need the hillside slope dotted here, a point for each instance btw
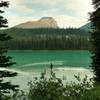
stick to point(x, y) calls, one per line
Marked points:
point(44, 22)
point(86, 27)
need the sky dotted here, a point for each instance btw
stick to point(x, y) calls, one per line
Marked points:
point(67, 13)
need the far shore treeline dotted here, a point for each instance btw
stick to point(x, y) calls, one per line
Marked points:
point(47, 39)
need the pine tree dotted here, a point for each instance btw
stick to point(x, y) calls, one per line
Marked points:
point(95, 38)
point(5, 61)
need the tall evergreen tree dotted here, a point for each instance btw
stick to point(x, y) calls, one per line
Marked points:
point(95, 20)
point(5, 61)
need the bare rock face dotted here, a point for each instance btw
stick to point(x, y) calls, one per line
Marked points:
point(44, 22)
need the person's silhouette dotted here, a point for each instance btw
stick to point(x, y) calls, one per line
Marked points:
point(51, 68)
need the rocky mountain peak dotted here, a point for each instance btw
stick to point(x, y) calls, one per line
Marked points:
point(47, 18)
point(44, 22)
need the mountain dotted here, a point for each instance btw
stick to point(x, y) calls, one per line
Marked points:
point(31, 36)
point(86, 27)
point(44, 22)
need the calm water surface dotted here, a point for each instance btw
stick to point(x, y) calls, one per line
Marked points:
point(30, 64)
point(28, 60)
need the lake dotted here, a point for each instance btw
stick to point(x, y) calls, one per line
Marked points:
point(32, 60)
point(30, 64)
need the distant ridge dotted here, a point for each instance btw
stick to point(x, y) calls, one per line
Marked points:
point(86, 27)
point(44, 22)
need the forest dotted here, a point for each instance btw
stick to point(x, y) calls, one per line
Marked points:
point(47, 39)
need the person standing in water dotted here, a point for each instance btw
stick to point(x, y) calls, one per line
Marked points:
point(51, 68)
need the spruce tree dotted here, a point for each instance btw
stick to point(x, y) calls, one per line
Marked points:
point(95, 38)
point(5, 61)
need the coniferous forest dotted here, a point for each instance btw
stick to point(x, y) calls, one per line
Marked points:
point(47, 39)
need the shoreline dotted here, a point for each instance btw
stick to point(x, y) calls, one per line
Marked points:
point(68, 73)
point(48, 50)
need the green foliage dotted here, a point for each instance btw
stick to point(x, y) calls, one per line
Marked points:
point(5, 61)
point(95, 38)
point(49, 43)
point(97, 89)
point(54, 88)
point(45, 31)
point(96, 3)
point(48, 39)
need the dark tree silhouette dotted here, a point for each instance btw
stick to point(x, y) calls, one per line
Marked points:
point(5, 61)
point(95, 38)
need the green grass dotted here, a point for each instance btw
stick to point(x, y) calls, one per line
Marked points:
point(97, 89)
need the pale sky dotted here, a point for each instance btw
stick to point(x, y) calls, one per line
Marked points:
point(67, 13)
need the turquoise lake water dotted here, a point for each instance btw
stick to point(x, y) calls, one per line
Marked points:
point(28, 60)
point(30, 64)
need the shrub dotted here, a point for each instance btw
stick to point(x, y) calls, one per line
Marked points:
point(53, 88)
